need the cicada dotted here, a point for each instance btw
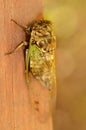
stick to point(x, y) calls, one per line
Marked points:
point(40, 46)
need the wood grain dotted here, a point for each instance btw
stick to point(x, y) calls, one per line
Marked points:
point(21, 108)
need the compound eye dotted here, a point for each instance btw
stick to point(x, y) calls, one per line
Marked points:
point(41, 44)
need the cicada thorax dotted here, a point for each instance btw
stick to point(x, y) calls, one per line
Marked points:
point(42, 56)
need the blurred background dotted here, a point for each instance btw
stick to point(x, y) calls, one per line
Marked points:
point(69, 18)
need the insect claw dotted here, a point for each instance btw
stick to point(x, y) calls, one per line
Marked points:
point(8, 53)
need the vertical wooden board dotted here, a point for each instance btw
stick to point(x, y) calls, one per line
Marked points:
point(16, 111)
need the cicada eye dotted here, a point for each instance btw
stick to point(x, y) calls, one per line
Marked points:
point(41, 44)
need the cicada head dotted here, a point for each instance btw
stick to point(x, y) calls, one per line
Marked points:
point(42, 35)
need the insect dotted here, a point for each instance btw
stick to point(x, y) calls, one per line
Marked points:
point(40, 45)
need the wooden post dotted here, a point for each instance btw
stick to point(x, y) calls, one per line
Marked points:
point(21, 108)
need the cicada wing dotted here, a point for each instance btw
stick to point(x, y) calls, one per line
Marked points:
point(42, 66)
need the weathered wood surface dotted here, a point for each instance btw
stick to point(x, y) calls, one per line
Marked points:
point(19, 109)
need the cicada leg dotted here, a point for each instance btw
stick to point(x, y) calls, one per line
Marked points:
point(27, 65)
point(23, 27)
point(23, 43)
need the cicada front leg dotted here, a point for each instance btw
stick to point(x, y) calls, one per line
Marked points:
point(23, 43)
point(23, 27)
